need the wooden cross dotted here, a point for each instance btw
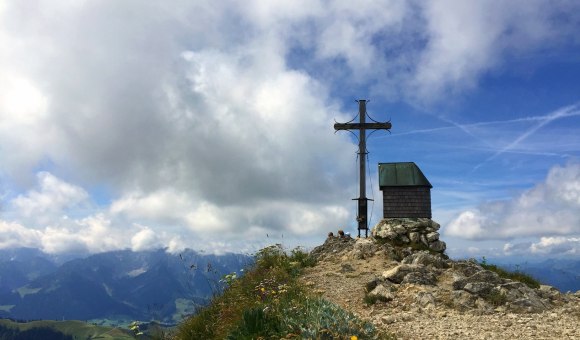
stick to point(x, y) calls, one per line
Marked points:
point(362, 126)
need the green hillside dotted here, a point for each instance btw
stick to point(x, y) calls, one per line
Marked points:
point(59, 330)
point(268, 302)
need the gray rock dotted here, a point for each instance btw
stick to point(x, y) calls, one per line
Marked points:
point(478, 288)
point(404, 239)
point(458, 282)
point(398, 273)
point(382, 292)
point(414, 237)
point(422, 277)
point(388, 235)
point(332, 246)
point(425, 299)
point(346, 268)
point(466, 268)
point(431, 237)
point(424, 240)
point(426, 259)
point(438, 246)
point(364, 248)
point(372, 284)
point(399, 229)
point(434, 225)
point(485, 276)
point(462, 300)
point(548, 292)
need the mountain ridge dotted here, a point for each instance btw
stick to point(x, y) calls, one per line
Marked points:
point(120, 285)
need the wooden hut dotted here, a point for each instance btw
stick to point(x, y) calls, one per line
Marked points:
point(406, 190)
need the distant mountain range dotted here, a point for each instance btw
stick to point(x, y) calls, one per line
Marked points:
point(122, 286)
point(562, 274)
point(113, 286)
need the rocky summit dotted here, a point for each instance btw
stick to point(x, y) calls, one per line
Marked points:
point(401, 280)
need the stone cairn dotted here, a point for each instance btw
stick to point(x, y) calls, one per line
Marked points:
point(419, 233)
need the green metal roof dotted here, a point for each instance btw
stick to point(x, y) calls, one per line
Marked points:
point(401, 174)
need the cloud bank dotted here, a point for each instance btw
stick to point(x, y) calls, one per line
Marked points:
point(549, 210)
point(139, 124)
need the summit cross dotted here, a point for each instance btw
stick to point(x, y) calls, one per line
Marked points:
point(362, 126)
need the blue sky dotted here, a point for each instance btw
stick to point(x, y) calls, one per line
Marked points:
point(208, 124)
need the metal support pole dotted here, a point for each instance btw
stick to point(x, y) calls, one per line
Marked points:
point(362, 150)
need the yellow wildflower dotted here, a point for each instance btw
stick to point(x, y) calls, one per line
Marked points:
point(354, 337)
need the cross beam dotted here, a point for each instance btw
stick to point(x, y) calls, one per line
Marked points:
point(362, 126)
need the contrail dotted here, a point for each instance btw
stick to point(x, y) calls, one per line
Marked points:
point(567, 111)
point(493, 122)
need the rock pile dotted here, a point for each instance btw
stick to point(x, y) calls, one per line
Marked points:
point(405, 284)
point(415, 232)
point(461, 285)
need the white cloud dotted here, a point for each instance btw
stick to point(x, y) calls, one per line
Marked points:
point(53, 198)
point(13, 234)
point(553, 246)
point(468, 38)
point(144, 240)
point(213, 118)
point(549, 209)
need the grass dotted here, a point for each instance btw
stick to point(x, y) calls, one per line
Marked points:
point(515, 275)
point(268, 302)
point(76, 329)
point(496, 298)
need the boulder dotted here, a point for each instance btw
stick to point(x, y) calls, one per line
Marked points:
point(431, 237)
point(478, 288)
point(364, 248)
point(382, 292)
point(421, 277)
point(426, 259)
point(414, 237)
point(397, 274)
point(438, 246)
point(466, 268)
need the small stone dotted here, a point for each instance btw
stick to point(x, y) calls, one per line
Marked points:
point(431, 237)
point(414, 237)
point(438, 246)
point(383, 293)
point(389, 319)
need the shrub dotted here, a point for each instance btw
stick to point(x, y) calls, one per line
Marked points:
point(496, 298)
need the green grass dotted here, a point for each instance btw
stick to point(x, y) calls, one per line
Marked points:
point(496, 298)
point(76, 329)
point(515, 275)
point(268, 302)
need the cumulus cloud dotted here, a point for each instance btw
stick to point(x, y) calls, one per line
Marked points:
point(53, 196)
point(550, 209)
point(558, 245)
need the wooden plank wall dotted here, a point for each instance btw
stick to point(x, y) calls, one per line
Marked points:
point(406, 202)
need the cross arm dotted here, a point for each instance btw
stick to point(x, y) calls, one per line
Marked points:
point(358, 126)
